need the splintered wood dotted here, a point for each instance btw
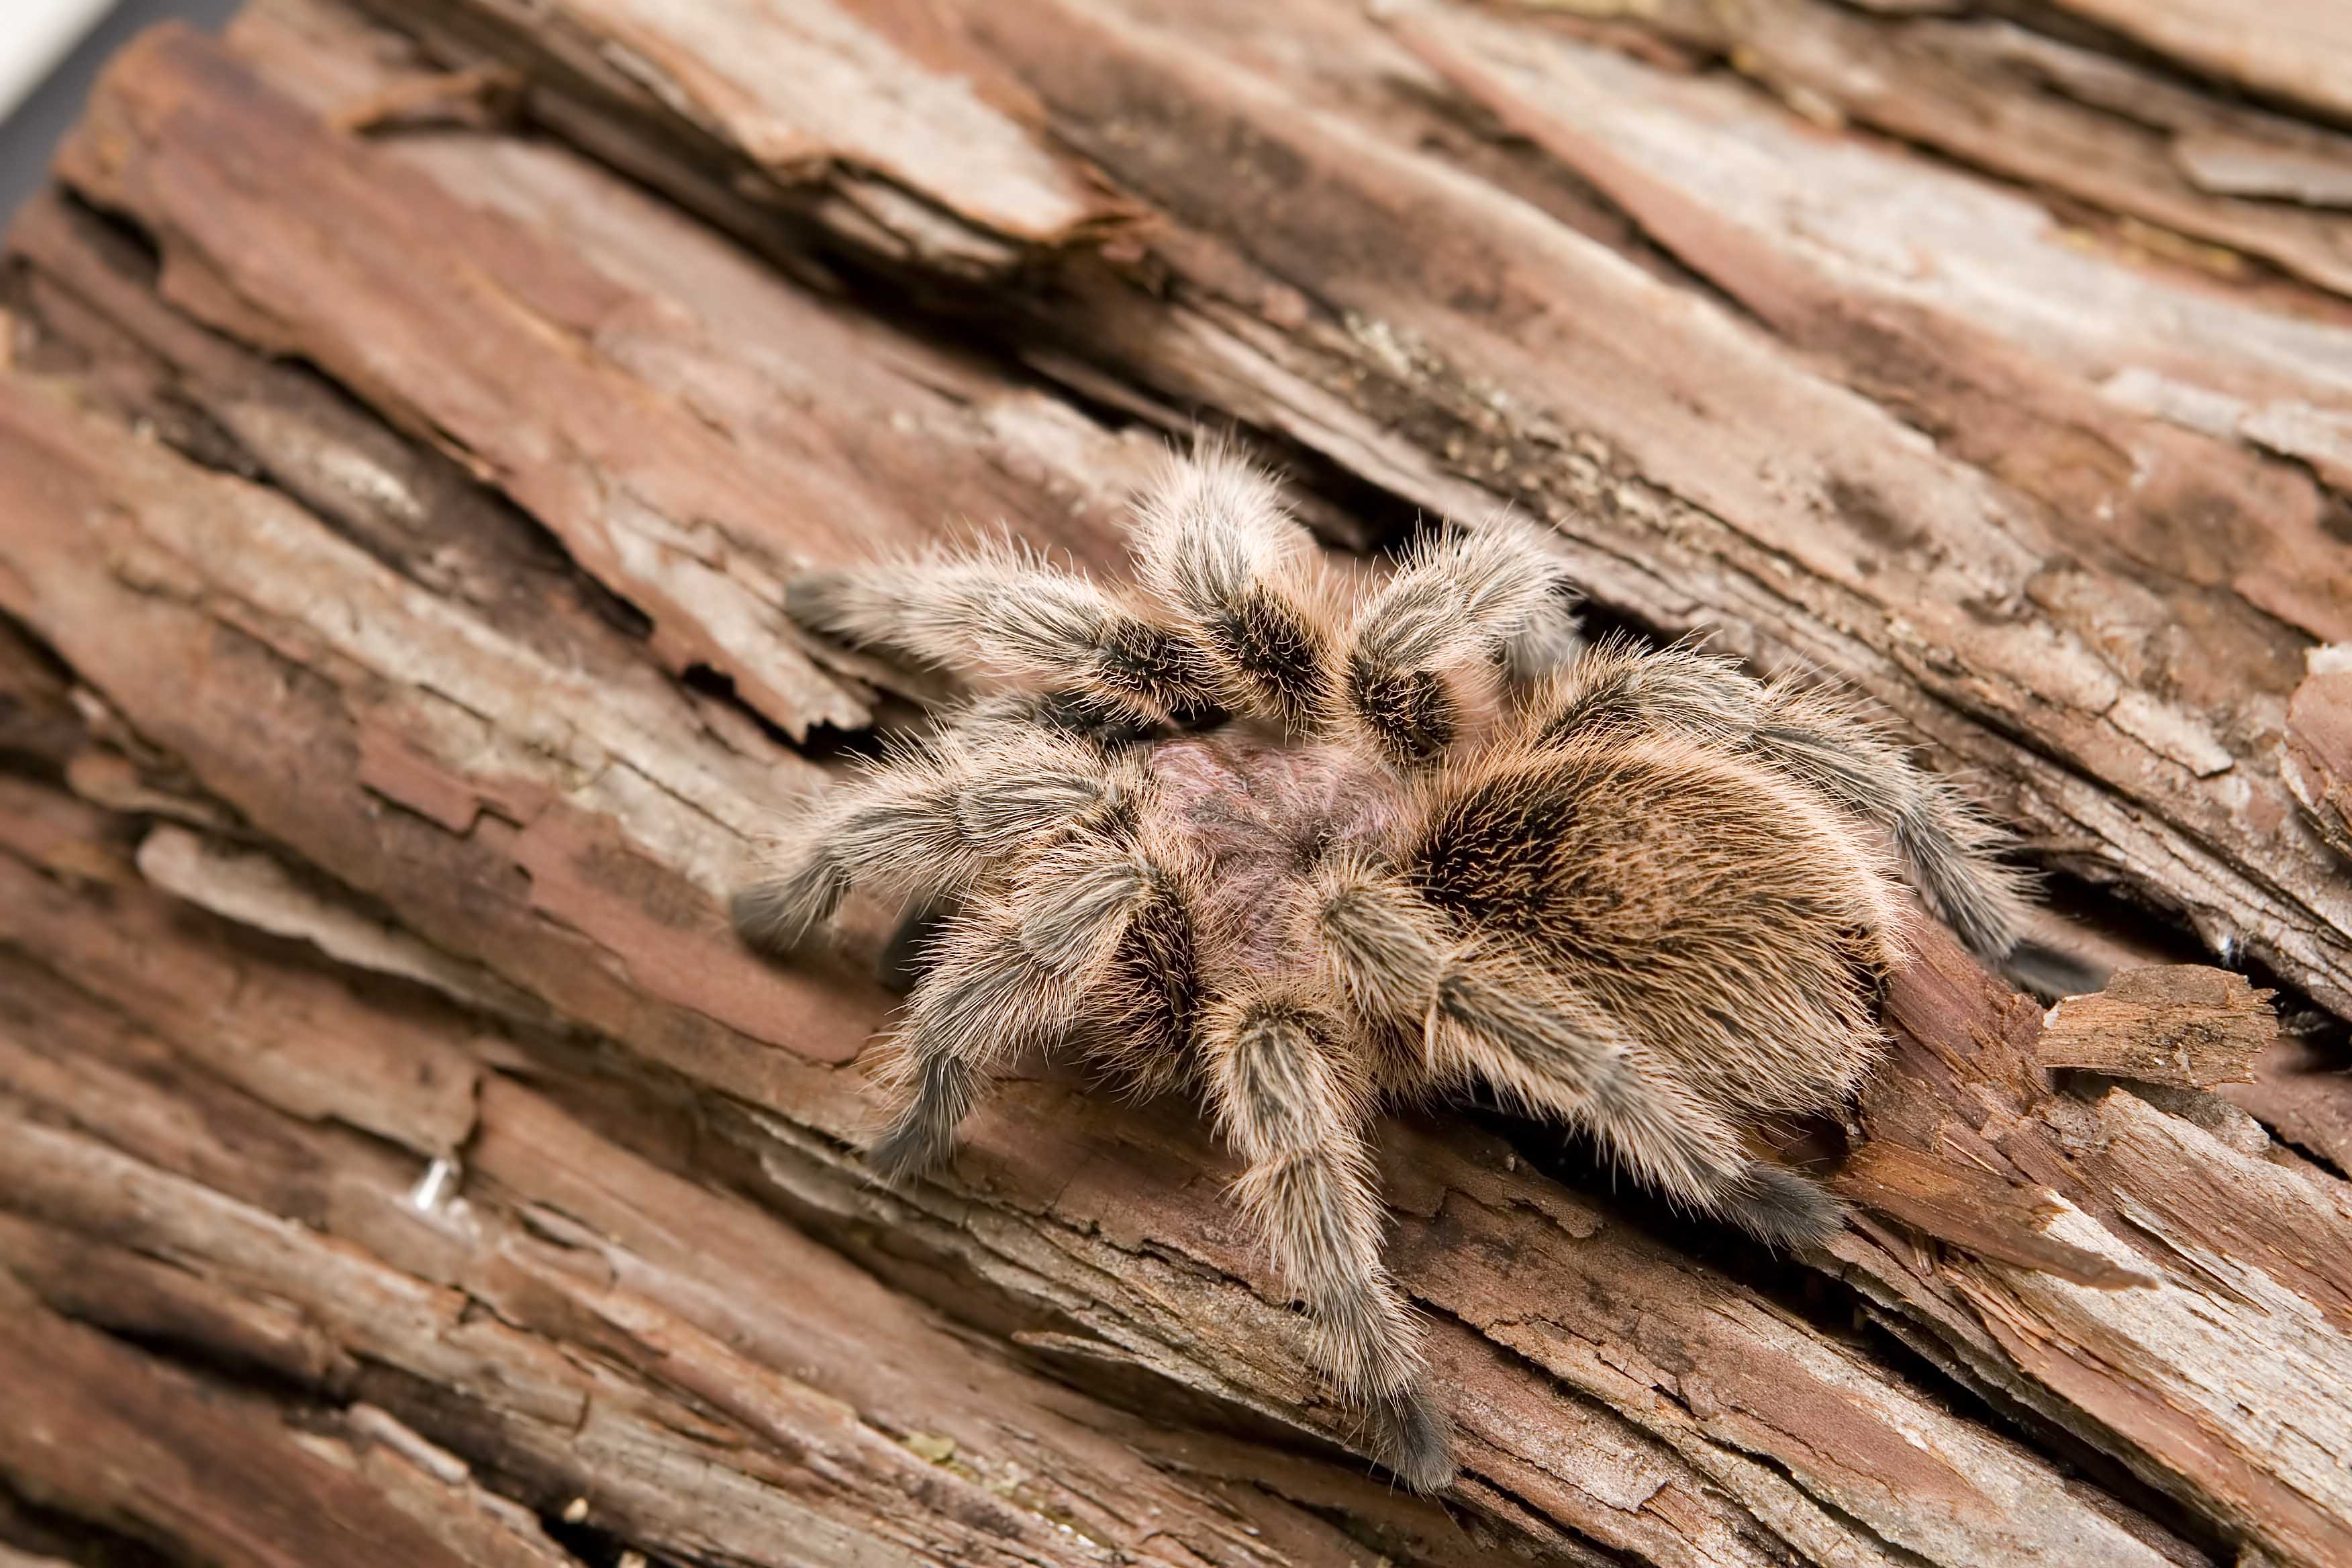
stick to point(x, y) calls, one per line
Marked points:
point(411, 414)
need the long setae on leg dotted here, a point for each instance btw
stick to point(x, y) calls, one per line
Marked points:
point(932, 819)
point(1287, 1098)
point(1019, 972)
point(1232, 570)
point(998, 615)
point(1472, 611)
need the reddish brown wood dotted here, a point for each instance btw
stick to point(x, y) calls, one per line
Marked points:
point(395, 501)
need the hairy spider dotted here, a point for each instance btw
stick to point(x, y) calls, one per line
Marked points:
point(1306, 850)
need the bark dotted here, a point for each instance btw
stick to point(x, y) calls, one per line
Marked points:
point(2094, 586)
point(2184, 1025)
point(399, 471)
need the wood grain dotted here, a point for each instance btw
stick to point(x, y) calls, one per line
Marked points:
point(394, 507)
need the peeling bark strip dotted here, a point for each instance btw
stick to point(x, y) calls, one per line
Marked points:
point(2301, 53)
point(896, 135)
point(2184, 1025)
point(689, 551)
point(220, 1466)
point(2194, 175)
point(383, 1100)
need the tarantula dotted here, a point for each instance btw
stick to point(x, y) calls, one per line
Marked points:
point(1305, 850)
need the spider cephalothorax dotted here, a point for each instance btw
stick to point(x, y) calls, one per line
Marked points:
point(1306, 850)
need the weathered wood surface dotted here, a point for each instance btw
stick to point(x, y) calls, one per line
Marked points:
point(2093, 586)
point(395, 524)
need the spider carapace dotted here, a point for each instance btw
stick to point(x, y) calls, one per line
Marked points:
point(1306, 849)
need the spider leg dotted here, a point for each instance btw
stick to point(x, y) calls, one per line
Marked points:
point(1950, 851)
point(1535, 1039)
point(986, 997)
point(1002, 720)
point(1016, 973)
point(932, 819)
point(1285, 1099)
point(1552, 637)
point(1215, 547)
point(905, 954)
point(1472, 610)
point(1001, 613)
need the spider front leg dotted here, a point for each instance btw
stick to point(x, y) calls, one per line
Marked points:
point(999, 614)
point(1472, 611)
point(1214, 545)
point(933, 819)
point(1019, 972)
point(1950, 853)
point(1534, 1038)
point(987, 997)
point(1288, 1100)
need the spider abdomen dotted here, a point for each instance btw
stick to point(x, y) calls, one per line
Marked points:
point(1722, 911)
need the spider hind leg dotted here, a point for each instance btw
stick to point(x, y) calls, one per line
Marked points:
point(1540, 1043)
point(1287, 1098)
point(1782, 1208)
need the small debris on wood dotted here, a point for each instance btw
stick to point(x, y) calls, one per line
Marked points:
point(479, 95)
point(927, 1446)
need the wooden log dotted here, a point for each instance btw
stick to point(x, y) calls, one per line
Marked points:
point(385, 1095)
point(1641, 1471)
point(2300, 1090)
point(188, 1466)
point(2319, 744)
